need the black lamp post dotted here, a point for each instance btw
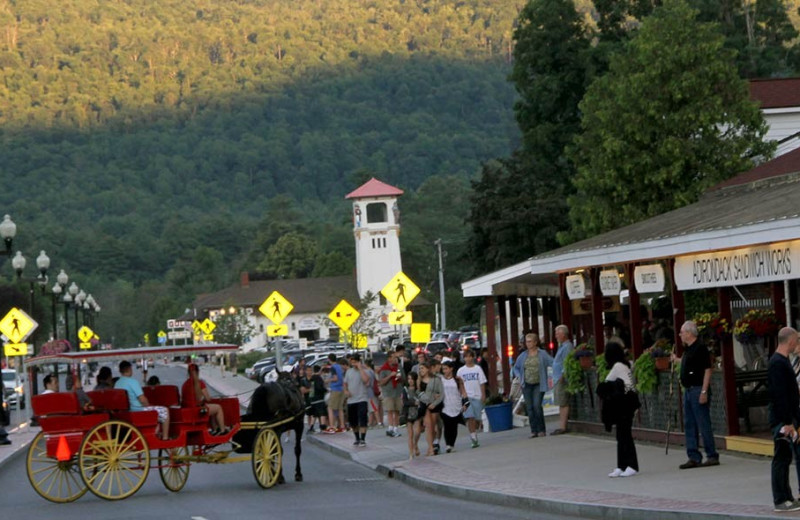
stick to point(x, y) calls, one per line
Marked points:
point(58, 288)
point(8, 230)
point(42, 264)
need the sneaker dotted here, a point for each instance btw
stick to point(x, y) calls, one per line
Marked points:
point(629, 472)
point(616, 473)
point(340, 430)
point(356, 443)
point(5, 442)
point(787, 506)
point(329, 430)
point(448, 449)
point(389, 433)
point(395, 434)
point(362, 444)
point(712, 461)
point(435, 449)
point(689, 464)
point(475, 443)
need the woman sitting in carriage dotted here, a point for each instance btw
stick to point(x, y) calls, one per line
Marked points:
point(194, 393)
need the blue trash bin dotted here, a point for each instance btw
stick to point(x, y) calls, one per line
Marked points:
point(499, 416)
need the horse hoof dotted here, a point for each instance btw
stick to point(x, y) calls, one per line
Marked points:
point(298, 478)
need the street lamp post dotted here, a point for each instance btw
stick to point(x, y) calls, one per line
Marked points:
point(8, 230)
point(79, 299)
point(42, 264)
point(58, 288)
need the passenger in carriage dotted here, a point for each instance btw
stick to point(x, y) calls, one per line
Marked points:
point(50, 384)
point(104, 379)
point(137, 400)
point(194, 393)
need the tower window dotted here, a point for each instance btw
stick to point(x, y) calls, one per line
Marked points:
point(376, 213)
point(384, 242)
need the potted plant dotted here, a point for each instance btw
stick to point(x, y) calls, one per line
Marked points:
point(757, 323)
point(576, 381)
point(661, 352)
point(498, 412)
point(584, 353)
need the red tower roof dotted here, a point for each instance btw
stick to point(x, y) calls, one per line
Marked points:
point(374, 188)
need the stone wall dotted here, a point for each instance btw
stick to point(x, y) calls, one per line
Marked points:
point(655, 411)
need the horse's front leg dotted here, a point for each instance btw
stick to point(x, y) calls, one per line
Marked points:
point(298, 435)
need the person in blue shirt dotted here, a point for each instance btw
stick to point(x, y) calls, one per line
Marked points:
point(336, 399)
point(531, 371)
point(560, 395)
point(137, 400)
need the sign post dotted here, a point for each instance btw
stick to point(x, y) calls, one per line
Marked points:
point(276, 308)
point(400, 291)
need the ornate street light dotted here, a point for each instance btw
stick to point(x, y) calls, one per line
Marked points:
point(8, 230)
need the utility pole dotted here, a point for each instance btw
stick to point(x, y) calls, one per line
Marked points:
point(438, 244)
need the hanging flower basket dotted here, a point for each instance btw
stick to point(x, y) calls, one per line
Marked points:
point(712, 327)
point(660, 352)
point(662, 364)
point(756, 324)
point(584, 353)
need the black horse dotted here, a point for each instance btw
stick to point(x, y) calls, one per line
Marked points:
point(273, 402)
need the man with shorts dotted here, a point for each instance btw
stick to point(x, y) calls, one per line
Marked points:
point(560, 394)
point(475, 386)
point(336, 400)
point(137, 400)
point(355, 389)
point(316, 397)
point(390, 380)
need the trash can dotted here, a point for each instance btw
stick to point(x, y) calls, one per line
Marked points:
point(499, 416)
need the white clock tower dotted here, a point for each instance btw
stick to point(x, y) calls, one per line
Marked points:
point(376, 227)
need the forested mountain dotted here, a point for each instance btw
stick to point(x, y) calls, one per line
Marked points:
point(143, 143)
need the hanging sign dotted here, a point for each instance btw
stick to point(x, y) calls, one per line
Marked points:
point(609, 283)
point(576, 286)
point(649, 278)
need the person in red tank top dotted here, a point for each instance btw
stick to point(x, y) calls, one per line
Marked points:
point(194, 393)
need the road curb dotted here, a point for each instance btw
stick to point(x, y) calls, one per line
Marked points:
point(557, 507)
point(19, 449)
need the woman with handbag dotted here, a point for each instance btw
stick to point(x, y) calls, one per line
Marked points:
point(431, 394)
point(619, 398)
point(413, 415)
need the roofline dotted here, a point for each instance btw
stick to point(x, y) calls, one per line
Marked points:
point(482, 286)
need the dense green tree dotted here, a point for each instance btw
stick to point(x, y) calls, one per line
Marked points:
point(645, 150)
point(292, 256)
point(520, 203)
point(233, 328)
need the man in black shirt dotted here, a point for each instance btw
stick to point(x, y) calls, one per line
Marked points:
point(696, 379)
point(784, 417)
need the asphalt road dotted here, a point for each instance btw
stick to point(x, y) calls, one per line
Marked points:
point(333, 488)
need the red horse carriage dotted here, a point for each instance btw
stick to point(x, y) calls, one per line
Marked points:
point(107, 449)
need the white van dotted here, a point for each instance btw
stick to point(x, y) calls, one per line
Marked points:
point(13, 389)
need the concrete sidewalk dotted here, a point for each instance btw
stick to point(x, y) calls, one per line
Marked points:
point(567, 475)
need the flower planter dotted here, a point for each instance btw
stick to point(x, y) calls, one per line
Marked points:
point(499, 416)
point(662, 364)
point(586, 362)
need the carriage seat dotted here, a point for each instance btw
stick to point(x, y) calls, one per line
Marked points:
point(116, 401)
point(60, 412)
point(162, 395)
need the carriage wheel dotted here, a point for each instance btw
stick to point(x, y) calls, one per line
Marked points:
point(173, 467)
point(114, 460)
point(267, 458)
point(54, 480)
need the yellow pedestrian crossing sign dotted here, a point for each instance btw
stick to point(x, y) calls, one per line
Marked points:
point(277, 330)
point(208, 326)
point(400, 318)
point(85, 334)
point(276, 307)
point(420, 332)
point(17, 325)
point(197, 327)
point(400, 291)
point(15, 349)
point(344, 315)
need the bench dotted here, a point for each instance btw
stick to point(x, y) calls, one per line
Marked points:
point(115, 402)
point(757, 395)
point(60, 415)
point(162, 395)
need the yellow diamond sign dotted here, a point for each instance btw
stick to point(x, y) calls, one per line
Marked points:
point(400, 291)
point(85, 334)
point(344, 315)
point(208, 326)
point(17, 325)
point(400, 318)
point(276, 307)
point(277, 330)
point(420, 332)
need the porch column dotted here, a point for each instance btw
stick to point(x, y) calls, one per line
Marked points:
point(779, 302)
point(546, 321)
point(526, 313)
point(491, 344)
point(597, 311)
point(635, 314)
point(514, 303)
point(565, 302)
point(501, 301)
point(728, 368)
point(678, 308)
point(534, 326)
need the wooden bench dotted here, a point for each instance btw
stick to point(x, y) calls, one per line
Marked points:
point(757, 395)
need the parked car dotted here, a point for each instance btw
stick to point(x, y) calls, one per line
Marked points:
point(13, 388)
point(435, 347)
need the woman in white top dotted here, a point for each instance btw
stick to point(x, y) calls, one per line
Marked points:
point(627, 462)
point(454, 396)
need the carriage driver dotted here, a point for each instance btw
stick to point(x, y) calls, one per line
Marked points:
point(137, 400)
point(195, 393)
